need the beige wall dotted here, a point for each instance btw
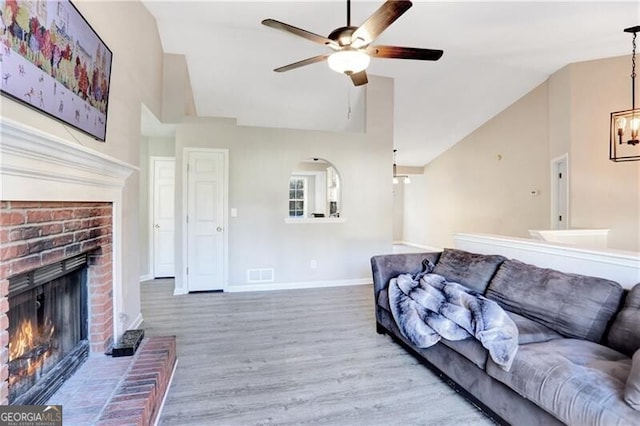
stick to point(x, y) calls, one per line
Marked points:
point(177, 92)
point(468, 189)
point(603, 194)
point(260, 161)
point(560, 112)
point(136, 78)
point(143, 218)
point(398, 212)
point(483, 183)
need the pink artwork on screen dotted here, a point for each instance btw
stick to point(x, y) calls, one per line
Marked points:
point(47, 46)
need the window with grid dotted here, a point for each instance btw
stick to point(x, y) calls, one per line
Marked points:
point(297, 196)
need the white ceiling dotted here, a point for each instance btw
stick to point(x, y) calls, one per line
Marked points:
point(494, 53)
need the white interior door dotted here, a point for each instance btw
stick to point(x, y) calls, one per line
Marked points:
point(205, 220)
point(164, 217)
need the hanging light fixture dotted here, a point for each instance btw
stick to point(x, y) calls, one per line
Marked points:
point(625, 125)
point(396, 177)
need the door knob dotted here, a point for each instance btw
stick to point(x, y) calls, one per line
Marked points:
point(157, 226)
point(219, 229)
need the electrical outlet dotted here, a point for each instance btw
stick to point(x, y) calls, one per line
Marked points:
point(313, 264)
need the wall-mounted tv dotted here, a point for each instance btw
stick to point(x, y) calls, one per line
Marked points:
point(53, 61)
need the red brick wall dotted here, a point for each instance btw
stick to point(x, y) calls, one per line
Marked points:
point(138, 397)
point(34, 234)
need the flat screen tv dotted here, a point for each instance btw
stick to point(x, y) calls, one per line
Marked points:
point(53, 61)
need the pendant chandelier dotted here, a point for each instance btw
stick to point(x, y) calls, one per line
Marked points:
point(397, 177)
point(626, 124)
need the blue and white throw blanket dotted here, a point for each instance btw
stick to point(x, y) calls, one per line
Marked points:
point(427, 307)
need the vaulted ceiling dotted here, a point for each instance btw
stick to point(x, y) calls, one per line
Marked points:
point(494, 53)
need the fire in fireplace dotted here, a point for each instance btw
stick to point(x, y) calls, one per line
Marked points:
point(47, 329)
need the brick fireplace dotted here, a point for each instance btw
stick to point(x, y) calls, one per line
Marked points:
point(60, 199)
point(36, 234)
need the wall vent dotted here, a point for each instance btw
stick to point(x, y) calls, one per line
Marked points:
point(260, 275)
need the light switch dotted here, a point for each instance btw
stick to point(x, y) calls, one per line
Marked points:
point(234, 212)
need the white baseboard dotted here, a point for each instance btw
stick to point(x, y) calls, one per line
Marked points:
point(297, 285)
point(166, 392)
point(137, 322)
point(147, 277)
point(179, 291)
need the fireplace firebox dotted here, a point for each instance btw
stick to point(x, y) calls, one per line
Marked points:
point(48, 337)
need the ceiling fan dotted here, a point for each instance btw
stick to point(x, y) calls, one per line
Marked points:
point(352, 50)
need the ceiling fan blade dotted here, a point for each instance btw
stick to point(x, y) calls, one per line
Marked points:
point(398, 52)
point(302, 63)
point(378, 22)
point(272, 23)
point(359, 78)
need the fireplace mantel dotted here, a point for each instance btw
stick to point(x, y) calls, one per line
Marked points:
point(29, 156)
point(39, 167)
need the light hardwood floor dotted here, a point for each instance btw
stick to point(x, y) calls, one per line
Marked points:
point(292, 358)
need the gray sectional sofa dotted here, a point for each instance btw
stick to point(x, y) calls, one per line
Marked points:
point(577, 337)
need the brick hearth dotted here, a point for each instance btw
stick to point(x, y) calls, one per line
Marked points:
point(120, 391)
point(35, 234)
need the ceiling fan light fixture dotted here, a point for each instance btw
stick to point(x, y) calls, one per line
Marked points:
point(351, 45)
point(349, 61)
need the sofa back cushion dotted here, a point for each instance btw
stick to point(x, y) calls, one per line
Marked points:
point(472, 270)
point(624, 334)
point(573, 305)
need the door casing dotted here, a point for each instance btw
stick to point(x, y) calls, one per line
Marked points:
point(185, 210)
point(557, 191)
point(152, 218)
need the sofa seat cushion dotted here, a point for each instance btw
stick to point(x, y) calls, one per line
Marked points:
point(579, 382)
point(472, 270)
point(574, 305)
point(624, 334)
point(632, 388)
point(530, 331)
point(470, 348)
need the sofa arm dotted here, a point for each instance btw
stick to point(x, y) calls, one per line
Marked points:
point(385, 267)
